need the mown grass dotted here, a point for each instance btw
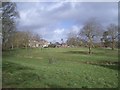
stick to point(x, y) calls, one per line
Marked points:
point(59, 68)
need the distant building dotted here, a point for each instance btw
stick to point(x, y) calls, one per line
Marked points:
point(64, 45)
point(33, 43)
point(41, 43)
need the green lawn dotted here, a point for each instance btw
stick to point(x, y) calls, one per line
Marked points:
point(60, 68)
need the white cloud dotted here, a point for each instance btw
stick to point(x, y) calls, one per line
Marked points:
point(57, 34)
point(59, 31)
point(75, 29)
point(44, 18)
point(55, 6)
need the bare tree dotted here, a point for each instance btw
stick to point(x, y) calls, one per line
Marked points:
point(105, 40)
point(17, 39)
point(73, 39)
point(23, 38)
point(26, 37)
point(113, 33)
point(91, 29)
point(9, 14)
point(36, 37)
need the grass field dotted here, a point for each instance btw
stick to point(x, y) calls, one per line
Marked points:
point(60, 68)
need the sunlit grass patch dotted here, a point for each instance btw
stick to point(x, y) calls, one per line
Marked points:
point(55, 68)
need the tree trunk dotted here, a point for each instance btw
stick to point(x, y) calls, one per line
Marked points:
point(113, 44)
point(26, 46)
point(90, 44)
point(3, 46)
point(89, 50)
point(17, 45)
point(12, 45)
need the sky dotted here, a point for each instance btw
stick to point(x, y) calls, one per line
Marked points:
point(54, 20)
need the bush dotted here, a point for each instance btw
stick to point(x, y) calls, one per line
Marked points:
point(52, 45)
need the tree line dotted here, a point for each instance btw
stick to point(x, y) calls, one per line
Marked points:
point(11, 37)
point(92, 29)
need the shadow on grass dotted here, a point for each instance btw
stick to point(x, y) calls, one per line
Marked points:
point(114, 67)
point(14, 52)
point(76, 52)
point(9, 53)
point(18, 76)
point(87, 53)
point(15, 75)
point(54, 86)
point(12, 67)
point(106, 64)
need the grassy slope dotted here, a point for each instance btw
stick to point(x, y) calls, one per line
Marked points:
point(31, 68)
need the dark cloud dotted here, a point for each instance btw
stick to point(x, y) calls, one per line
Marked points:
point(48, 18)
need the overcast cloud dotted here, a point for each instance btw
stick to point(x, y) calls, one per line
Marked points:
point(54, 20)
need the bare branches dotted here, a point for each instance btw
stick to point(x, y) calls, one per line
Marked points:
point(91, 29)
point(113, 33)
point(9, 13)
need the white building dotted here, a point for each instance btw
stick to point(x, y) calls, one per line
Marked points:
point(41, 43)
